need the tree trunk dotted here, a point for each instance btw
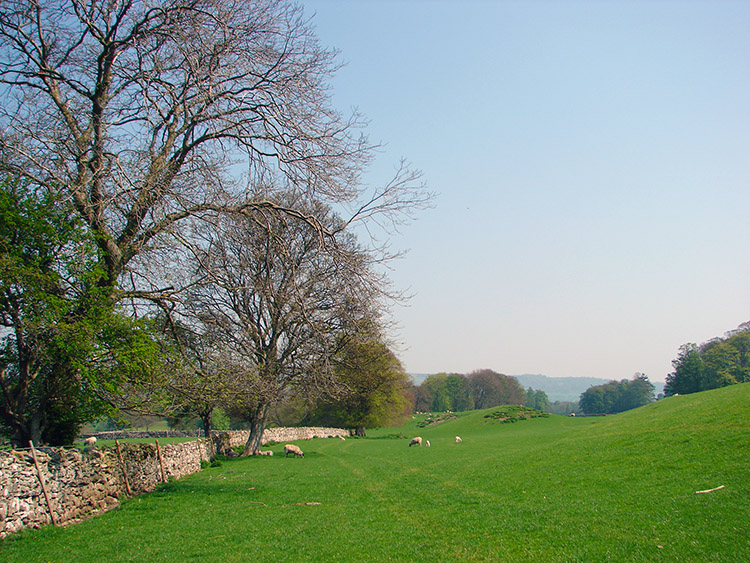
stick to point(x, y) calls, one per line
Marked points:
point(257, 425)
point(206, 419)
point(36, 428)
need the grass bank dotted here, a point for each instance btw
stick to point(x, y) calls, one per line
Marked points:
point(619, 488)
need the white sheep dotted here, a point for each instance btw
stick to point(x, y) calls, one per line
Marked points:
point(342, 438)
point(427, 443)
point(90, 441)
point(458, 439)
point(415, 441)
point(292, 449)
point(267, 452)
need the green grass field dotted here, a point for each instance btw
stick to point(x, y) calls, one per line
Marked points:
point(557, 489)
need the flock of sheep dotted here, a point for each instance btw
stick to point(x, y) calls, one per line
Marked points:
point(296, 452)
point(418, 441)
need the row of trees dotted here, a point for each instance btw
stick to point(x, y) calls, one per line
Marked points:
point(177, 203)
point(480, 389)
point(617, 396)
point(716, 363)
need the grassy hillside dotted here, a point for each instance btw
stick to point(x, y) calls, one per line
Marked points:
point(619, 488)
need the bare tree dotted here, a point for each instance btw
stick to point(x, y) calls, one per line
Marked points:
point(143, 112)
point(283, 302)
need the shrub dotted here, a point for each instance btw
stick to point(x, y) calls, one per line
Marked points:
point(514, 413)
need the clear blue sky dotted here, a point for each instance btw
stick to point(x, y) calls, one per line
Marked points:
point(592, 161)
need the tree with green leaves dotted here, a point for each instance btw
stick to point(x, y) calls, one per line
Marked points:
point(448, 392)
point(490, 389)
point(537, 399)
point(375, 387)
point(716, 363)
point(617, 396)
point(63, 349)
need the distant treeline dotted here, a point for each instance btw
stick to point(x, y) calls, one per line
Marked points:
point(716, 363)
point(617, 396)
point(480, 389)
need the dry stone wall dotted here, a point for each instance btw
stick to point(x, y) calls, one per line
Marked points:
point(79, 485)
point(83, 484)
point(239, 437)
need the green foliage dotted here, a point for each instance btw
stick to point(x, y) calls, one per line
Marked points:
point(713, 364)
point(431, 419)
point(66, 352)
point(563, 407)
point(537, 399)
point(614, 397)
point(445, 392)
point(454, 392)
point(514, 413)
point(376, 383)
point(220, 420)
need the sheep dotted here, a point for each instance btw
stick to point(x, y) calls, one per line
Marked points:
point(458, 439)
point(292, 449)
point(415, 441)
point(267, 452)
point(90, 441)
point(427, 443)
point(342, 438)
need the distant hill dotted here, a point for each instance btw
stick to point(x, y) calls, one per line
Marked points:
point(418, 378)
point(557, 388)
point(568, 388)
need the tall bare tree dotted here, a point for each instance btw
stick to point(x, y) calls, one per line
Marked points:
point(284, 303)
point(150, 115)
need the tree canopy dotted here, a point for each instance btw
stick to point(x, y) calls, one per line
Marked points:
point(375, 387)
point(480, 389)
point(617, 396)
point(716, 363)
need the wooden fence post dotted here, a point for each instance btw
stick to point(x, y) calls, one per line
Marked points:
point(41, 481)
point(161, 462)
point(124, 469)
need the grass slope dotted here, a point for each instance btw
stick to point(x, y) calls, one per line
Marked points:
point(619, 488)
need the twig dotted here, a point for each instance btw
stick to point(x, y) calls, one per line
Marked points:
point(710, 490)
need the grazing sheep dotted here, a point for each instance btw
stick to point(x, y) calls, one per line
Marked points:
point(415, 441)
point(267, 452)
point(427, 443)
point(292, 449)
point(458, 439)
point(90, 441)
point(342, 438)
